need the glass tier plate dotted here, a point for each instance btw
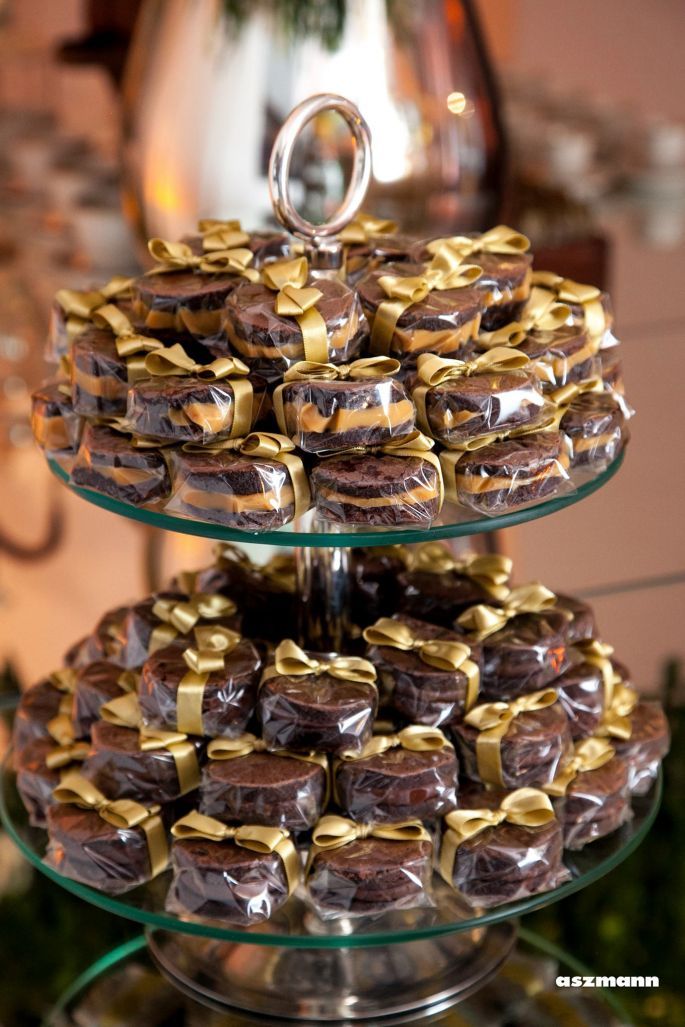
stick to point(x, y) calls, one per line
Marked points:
point(296, 926)
point(453, 521)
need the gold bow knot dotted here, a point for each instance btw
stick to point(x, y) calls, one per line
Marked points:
point(222, 235)
point(564, 396)
point(332, 832)
point(62, 755)
point(415, 738)
point(364, 227)
point(500, 239)
point(492, 721)
point(490, 571)
point(130, 344)
point(483, 620)
point(287, 278)
point(616, 722)
point(366, 367)
point(292, 661)
point(183, 615)
point(587, 297)
point(178, 256)
point(79, 305)
point(435, 370)
point(590, 754)
point(212, 645)
point(597, 654)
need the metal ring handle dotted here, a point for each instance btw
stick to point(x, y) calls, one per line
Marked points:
point(281, 157)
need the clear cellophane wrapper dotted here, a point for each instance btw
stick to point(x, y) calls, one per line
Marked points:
point(35, 781)
point(564, 356)
point(376, 490)
point(222, 881)
point(184, 409)
point(596, 427)
point(182, 302)
point(229, 696)
point(107, 462)
point(581, 692)
point(38, 705)
point(140, 631)
point(99, 375)
point(397, 785)
point(645, 749)
point(330, 416)
point(374, 583)
point(535, 748)
point(512, 474)
point(96, 684)
point(596, 803)
point(276, 801)
point(527, 654)
point(55, 424)
point(367, 877)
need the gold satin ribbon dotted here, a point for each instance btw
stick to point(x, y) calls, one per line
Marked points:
point(597, 654)
point(564, 396)
point(444, 655)
point(492, 721)
point(267, 446)
point(490, 571)
point(247, 836)
point(587, 297)
point(333, 832)
point(245, 744)
point(123, 814)
point(415, 738)
point(60, 727)
point(525, 807)
point(178, 256)
point(364, 227)
point(500, 239)
point(590, 754)
point(79, 305)
point(287, 278)
point(415, 444)
point(62, 755)
point(621, 701)
point(222, 235)
point(184, 614)
point(292, 661)
point(542, 313)
point(130, 344)
point(483, 620)
point(280, 570)
point(445, 271)
point(213, 644)
point(124, 711)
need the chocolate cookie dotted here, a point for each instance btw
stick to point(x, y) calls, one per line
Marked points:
point(96, 684)
point(596, 426)
point(611, 369)
point(35, 780)
point(229, 695)
point(55, 425)
point(266, 246)
point(99, 376)
point(374, 582)
point(439, 598)
point(648, 744)
point(581, 693)
point(264, 788)
point(581, 623)
point(38, 705)
point(384, 490)
point(144, 629)
point(183, 301)
point(561, 355)
point(528, 653)
point(595, 804)
point(378, 250)
point(107, 462)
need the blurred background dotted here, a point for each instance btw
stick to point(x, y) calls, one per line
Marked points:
point(128, 118)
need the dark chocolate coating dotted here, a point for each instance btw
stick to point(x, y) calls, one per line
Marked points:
point(318, 713)
point(370, 875)
point(267, 605)
point(96, 685)
point(94, 354)
point(35, 781)
point(229, 698)
point(118, 766)
point(648, 744)
point(103, 450)
point(398, 785)
point(341, 484)
point(581, 693)
point(223, 881)
point(37, 707)
point(596, 426)
point(175, 290)
point(391, 247)
point(136, 629)
point(581, 618)
point(531, 468)
point(374, 588)
point(527, 654)
point(264, 788)
point(438, 598)
point(56, 425)
point(595, 804)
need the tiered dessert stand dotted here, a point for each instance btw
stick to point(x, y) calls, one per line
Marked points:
point(296, 966)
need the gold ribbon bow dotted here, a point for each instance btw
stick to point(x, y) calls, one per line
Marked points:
point(70, 752)
point(415, 738)
point(287, 278)
point(247, 836)
point(483, 620)
point(79, 305)
point(333, 832)
point(587, 297)
point(445, 271)
point(500, 239)
point(221, 235)
point(124, 711)
point(268, 446)
point(490, 571)
point(180, 616)
point(245, 744)
point(130, 344)
point(120, 813)
point(178, 256)
point(492, 721)
point(621, 700)
point(280, 570)
point(525, 807)
point(213, 644)
point(590, 754)
point(564, 396)
point(444, 655)
point(597, 654)
point(60, 727)
point(364, 227)
point(542, 313)
point(292, 661)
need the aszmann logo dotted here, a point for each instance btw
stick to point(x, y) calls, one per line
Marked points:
point(607, 982)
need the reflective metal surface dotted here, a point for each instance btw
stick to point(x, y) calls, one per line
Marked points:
point(323, 591)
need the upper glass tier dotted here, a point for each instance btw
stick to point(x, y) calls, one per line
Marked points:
point(453, 521)
point(296, 926)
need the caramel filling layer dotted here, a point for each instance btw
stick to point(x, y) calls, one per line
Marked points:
point(211, 417)
point(581, 445)
point(308, 418)
point(197, 322)
point(51, 432)
point(338, 339)
point(499, 296)
point(234, 504)
point(562, 365)
point(468, 481)
point(412, 497)
point(106, 387)
point(446, 340)
point(125, 475)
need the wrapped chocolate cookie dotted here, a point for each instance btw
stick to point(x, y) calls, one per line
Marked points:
point(461, 400)
point(588, 306)
point(375, 573)
point(96, 684)
point(591, 793)
point(40, 706)
point(515, 744)
point(416, 308)
point(502, 255)
point(317, 703)
point(429, 675)
point(72, 311)
point(640, 734)
point(368, 242)
point(129, 761)
point(325, 409)
point(502, 846)
point(183, 401)
point(581, 624)
point(108, 462)
point(55, 425)
point(103, 643)
point(581, 692)
point(524, 641)
point(243, 782)
point(240, 875)
point(361, 869)
point(215, 235)
point(186, 291)
point(508, 474)
point(411, 775)
point(399, 483)
point(437, 586)
point(40, 766)
point(203, 686)
point(611, 370)
point(595, 424)
point(112, 846)
point(256, 483)
point(289, 316)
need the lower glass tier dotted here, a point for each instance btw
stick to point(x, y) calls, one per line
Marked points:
point(296, 926)
point(452, 522)
point(124, 989)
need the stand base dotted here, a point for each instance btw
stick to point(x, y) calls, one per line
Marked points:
point(384, 984)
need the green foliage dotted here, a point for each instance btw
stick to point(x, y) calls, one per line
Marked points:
point(324, 19)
